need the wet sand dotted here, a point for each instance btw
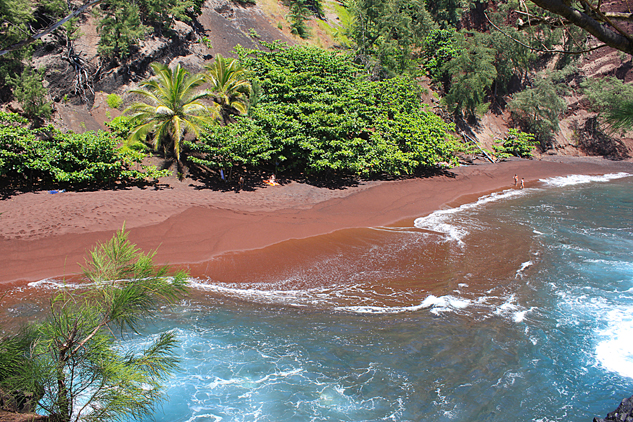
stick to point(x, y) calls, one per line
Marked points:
point(45, 235)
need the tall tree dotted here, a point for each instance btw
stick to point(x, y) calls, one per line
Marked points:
point(471, 75)
point(230, 88)
point(71, 361)
point(390, 30)
point(174, 107)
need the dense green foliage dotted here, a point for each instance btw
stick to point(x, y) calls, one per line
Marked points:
point(174, 108)
point(439, 47)
point(120, 28)
point(114, 101)
point(516, 143)
point(16, 16)
point(71, 362)
point(48, 157)
point(317, 114)
point(471, 76)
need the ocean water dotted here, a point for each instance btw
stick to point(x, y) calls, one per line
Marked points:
point(515, 306)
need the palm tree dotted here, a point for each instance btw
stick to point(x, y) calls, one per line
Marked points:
point(229, 87)
point(174, 108)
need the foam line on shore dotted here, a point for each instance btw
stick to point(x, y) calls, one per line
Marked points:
point(438, 221)
point(579, 179)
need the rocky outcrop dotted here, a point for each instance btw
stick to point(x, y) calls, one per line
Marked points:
point(624, 413)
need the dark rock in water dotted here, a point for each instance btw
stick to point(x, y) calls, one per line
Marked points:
point(624, 413)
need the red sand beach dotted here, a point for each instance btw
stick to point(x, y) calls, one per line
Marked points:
point(45, 235)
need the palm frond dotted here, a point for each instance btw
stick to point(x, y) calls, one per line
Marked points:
point(172, 101)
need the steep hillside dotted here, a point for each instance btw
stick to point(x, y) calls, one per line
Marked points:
point(79, 81)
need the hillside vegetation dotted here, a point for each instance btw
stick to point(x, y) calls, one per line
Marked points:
point(355, 110)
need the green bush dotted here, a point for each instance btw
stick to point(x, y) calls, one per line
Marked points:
point(120, 126)
point(318, 114)
point(114, 101)
point(391, 32)
point(516, 143)
point(439, 48)
point(45, 157)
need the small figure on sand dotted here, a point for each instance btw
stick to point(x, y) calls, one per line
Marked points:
point(522, 183)
point(516, 180)
point(241, 182)
point(272, 181)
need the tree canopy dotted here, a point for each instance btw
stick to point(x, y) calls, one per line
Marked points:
point(318, 113)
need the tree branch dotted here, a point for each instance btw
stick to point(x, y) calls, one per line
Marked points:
point(48, 30)
point(604, 18)
point(542, 50)
point(603, 33)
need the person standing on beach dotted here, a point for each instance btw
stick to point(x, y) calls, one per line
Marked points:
point(516, 180)
point(522, 183)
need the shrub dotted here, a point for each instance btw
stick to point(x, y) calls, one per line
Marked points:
point(471, 75)
point(318, 115)
point(516, 143)
point(439, 47)
point(29, 90)
point(44, 157)
point(114, 101)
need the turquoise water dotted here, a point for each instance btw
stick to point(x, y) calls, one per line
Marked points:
point(517, 306)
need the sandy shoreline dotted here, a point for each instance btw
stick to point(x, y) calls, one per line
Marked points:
point(46, 235)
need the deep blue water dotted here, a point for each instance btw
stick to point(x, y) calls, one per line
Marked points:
point(518, 306)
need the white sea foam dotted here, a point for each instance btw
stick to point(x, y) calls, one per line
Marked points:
point(615, 347)
point(524, 266)
point(205, 418)
point(512, 310)
point(286, 297)
point(437, 304)
point(440, 221)
point(47, 283)
point(578, 179)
